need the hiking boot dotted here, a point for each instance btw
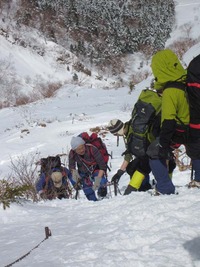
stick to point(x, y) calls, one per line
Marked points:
point(155, 193)
point(129, 189)
point(102, 192)
point(194, 183)
point(145, 187)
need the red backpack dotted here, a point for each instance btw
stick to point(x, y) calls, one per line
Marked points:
point(96, 141)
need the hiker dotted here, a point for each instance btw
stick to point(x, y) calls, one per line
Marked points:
point(54, 183)
point(193, 93)
point(168, 72)
point(136, 168)
point(88, 168)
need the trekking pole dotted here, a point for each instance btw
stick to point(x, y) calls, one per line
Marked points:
point(117, 140)
point(76, 195)
point(118, 190)
point(192, 173)
point(110, 193)
point(77, 187)
point(115, 188)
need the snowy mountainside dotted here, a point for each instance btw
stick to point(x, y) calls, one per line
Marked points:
point(122, 231)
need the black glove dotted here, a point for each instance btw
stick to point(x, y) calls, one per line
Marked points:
point(117, 176)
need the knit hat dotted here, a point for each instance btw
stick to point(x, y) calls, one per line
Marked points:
point(57, 179)
point(116, 126)
point(76, 142)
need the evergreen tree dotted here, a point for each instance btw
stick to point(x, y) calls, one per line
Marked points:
point(112, 28)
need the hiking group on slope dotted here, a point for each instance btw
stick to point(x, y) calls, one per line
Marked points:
point(162, 120)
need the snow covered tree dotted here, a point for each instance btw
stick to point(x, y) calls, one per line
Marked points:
point(102, 30)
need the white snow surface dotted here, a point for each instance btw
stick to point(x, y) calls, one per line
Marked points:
point(135, 230)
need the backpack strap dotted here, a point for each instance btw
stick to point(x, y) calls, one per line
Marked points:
point(194, 85)
point(90, 151)
point(175, 84)
point(103, 145)
point(64, 173)
point(126, 139)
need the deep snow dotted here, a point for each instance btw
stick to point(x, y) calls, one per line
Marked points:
point(135, 230)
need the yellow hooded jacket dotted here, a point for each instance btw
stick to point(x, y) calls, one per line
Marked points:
point(166, 68)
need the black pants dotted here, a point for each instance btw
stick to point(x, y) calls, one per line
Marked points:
point(139, 164)
point(193, 148)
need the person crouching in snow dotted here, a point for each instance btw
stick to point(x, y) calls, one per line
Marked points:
point(54, 185)
point(137, 168)
point(88, 168)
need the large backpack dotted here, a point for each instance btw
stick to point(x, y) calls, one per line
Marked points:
point(50, 163)
point(193, 91)
point(96, 141)
point(144, 125)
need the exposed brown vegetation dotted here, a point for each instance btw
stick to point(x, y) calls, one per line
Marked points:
point(180, 47)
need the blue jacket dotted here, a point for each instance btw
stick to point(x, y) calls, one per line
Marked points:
point(41, 183)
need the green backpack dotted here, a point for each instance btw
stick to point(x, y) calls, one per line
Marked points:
point(144, 125)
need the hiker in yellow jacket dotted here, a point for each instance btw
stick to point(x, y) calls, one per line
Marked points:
point(169, 78)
